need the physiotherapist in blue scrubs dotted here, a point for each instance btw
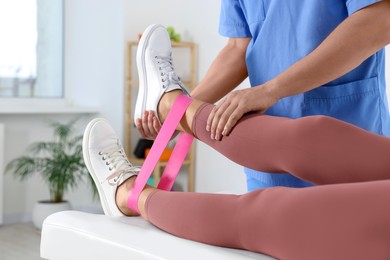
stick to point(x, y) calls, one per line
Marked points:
point(303, 57)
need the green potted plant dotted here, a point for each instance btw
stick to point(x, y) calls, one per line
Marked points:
point(59, 162)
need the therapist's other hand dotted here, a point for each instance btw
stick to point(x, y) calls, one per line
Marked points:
point(225, 115)
point(148, 126)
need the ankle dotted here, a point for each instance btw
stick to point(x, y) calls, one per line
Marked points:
point(121, 196)
point(142, 200)
point(166, 102)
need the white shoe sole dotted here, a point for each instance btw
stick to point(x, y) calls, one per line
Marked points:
point(140, 105)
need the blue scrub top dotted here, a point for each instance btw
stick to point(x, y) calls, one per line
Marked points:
point(285, 31)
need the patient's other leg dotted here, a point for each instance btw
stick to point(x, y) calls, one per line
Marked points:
point(339, 221)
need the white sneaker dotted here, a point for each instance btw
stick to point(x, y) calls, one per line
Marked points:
point(155, 69)
point(106, 162)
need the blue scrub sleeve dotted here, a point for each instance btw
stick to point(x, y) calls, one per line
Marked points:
point(356, 5)
point(232, 22)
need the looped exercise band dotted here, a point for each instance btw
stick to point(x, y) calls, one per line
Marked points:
point(175, 161)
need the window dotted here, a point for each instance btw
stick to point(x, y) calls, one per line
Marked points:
point(31, 48)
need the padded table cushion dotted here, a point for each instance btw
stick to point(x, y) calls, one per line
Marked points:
point(73, 235)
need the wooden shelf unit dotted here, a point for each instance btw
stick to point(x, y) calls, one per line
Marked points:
point(131, 85)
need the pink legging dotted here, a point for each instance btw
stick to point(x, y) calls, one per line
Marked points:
point(347, 216)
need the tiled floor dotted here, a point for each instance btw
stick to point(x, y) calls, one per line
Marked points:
point(19, 242)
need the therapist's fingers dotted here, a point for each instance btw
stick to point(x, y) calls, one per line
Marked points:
point(210, 118)
point(225, 115)
point(219, 117)
point(225, 112)
point(148, 126)
point(233, 117)
point(156, 125)
point(145, 124)
point(213, 119)
point(138, 125)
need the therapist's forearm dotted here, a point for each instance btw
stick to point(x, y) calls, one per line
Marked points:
point(226, 72)
point(353, 41)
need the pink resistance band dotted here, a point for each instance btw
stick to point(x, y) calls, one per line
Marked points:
point(175, 161)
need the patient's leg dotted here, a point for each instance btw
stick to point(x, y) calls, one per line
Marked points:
point(339, 221)
point(318, 149)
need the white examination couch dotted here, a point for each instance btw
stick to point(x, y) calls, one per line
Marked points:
point(74, 235)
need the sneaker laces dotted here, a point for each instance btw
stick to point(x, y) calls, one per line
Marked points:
point(167, 70)
point(116, 160)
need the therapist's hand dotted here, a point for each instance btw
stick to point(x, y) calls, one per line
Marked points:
point(148, 126)
point(225, 115)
